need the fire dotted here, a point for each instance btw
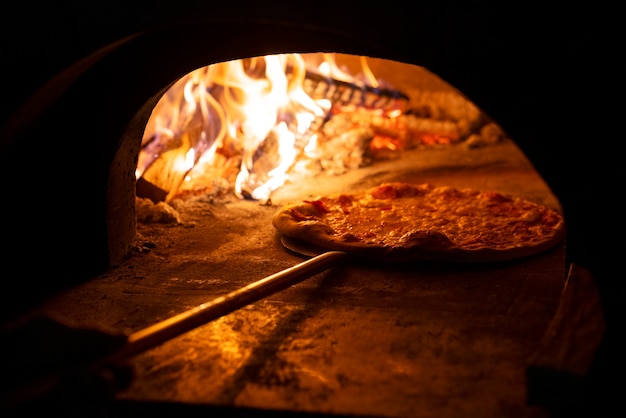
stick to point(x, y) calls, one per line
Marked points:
point(244, 125)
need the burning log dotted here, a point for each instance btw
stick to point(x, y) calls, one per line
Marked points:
point(169, 170)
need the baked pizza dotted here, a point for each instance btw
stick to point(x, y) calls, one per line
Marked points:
point(403, 222)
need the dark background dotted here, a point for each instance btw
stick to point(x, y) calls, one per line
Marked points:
point(550, 75)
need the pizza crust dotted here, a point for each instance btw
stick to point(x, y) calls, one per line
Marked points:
point(403, 222)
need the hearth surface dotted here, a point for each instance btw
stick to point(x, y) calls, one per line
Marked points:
point(425, 339)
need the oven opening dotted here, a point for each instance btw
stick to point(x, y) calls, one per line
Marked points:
point(224, 146)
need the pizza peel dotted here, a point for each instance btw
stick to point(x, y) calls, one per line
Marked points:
point(306, 249)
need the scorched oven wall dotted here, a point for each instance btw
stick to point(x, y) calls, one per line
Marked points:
point(527, 68)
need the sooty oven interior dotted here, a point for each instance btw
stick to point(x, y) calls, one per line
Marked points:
point(429, 340)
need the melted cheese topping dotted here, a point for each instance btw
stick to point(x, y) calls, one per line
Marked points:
point(402, 215)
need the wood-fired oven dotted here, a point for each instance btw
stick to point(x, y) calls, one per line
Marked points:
point(512, 339)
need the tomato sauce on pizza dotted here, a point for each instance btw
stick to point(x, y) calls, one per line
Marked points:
point(403, 221)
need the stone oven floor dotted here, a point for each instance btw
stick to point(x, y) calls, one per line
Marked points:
point(420, 340)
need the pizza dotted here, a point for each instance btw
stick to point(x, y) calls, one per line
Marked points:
point(403, 222)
